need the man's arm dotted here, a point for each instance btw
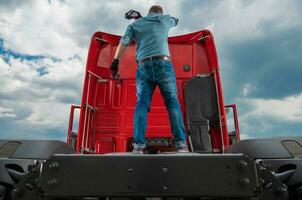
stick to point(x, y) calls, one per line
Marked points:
point(171, 21)
point(120, 51)
point(124, 42)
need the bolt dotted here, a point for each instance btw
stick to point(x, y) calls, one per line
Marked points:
point(30, 186)
point(268, 185)
point(282, 192)
point(52, 182)
point(165, 187)
point(244, 181)
point(36, 180)
point(262, 181)
point(130, 170)
point(54, 165)
point(165, 170)
point(242, 164)
point(262, 168)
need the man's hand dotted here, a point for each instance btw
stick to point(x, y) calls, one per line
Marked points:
point(114, 67)
point(118, 54)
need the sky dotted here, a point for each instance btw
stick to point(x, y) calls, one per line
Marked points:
point(44, 45)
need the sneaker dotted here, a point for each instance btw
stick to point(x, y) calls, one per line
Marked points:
point(138, 150)
point(182, 149)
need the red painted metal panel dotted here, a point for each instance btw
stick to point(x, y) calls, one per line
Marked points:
point(106, 117)
point(201, 63)
point(182, 55)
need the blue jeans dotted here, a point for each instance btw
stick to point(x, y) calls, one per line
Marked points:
point(148, 76)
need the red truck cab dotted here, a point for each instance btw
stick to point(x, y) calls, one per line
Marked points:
point(106, 112)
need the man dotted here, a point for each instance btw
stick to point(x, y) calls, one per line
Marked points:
point(154, 68)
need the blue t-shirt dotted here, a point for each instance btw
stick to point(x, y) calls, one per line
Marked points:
point(151, 34)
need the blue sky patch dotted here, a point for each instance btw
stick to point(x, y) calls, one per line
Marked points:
point(7, 53)
point(42, 71)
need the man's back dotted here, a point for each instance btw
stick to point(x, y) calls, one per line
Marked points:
point(150, 33)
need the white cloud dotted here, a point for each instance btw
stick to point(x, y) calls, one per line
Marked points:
point(235, 20)
point(4, 67)
point(263, 116)
point(39, 28)
point(6, 112)
point(288, 109)
point(44, 99)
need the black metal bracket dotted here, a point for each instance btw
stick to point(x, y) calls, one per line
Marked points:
point(130, 175)
point(271, 186)
point(29, 186)
point(216, 176)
